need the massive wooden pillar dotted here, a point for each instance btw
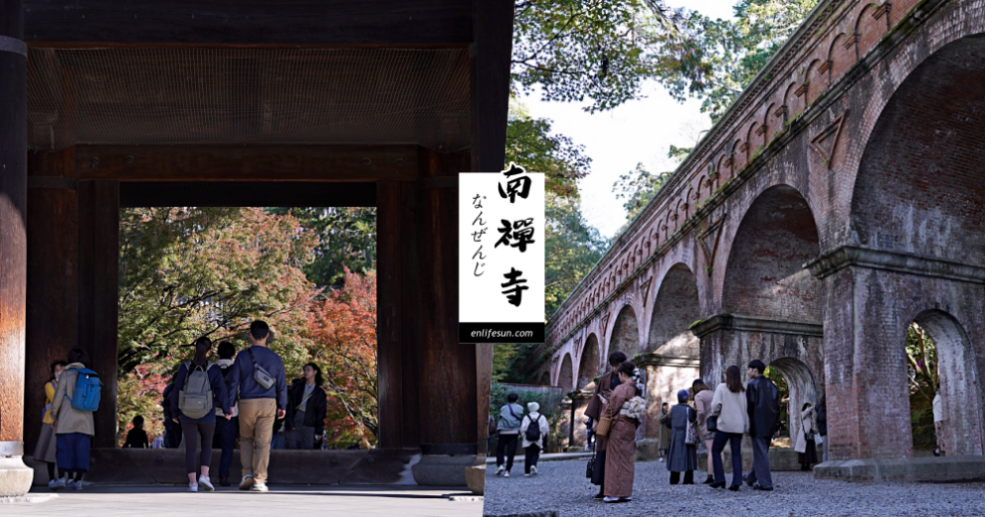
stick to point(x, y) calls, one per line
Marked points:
point(99, 259)
point(15, 478)
point(52, 274)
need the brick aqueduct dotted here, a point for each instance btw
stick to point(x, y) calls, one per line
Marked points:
point(841, 198)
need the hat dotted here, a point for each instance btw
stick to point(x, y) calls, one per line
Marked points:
point(533, 407)
point(683, 395)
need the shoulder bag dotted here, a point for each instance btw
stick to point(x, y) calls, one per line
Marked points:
point(691, 436)
point(263, 378)
point(605, 423)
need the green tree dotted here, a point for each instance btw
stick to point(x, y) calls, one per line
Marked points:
point(715, 60)
point(637, 188)
point(346, 239)
point(189, 272)
point(600, 50)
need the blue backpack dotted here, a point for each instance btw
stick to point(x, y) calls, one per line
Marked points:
point(87, 389)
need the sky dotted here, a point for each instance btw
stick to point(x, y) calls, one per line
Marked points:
point(637, 131)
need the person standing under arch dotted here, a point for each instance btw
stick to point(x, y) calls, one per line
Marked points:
point(702, 404)
point(764, 410)
point(729, 407)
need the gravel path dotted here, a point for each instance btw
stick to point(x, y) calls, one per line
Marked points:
point(562, 487)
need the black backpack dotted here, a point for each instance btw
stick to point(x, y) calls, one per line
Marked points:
point(533, 430)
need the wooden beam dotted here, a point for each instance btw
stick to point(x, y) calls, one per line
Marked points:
point(247, 163)
point(307, 22)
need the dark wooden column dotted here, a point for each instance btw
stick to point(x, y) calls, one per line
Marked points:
point(52, 274)
point(489, 61)
point(14, 479)
point(99, 250)
point(397, 306)
point(447, 369)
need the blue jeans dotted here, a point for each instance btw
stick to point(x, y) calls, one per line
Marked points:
point(226, 431)
point(73, 451)
point(735, 440)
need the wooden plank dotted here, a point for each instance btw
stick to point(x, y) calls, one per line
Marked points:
point(52, 277)
point(251, 21)
point(247, 163)
point(490, 60)
point(389, 203)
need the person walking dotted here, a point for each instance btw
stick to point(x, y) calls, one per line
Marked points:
point(664, 431)
point(603, 390)
point(621, 438)
point(682, 456)
point(306, 410)
point(226, 428)
point(73, 423)
point(939, 424)
point(199, 390)
point(47, 447)
point(258, 376)
point(702, 404)
point(762, 405)
point(533, 430)
point(806, 446)
point(137, 437)
point(509, 431)
point(728, 406)
point(822, 426)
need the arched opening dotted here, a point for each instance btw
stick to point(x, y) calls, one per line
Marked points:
point(920, 187)
point(564, 379)
point(940, 360)
point(765, 276)
point(796, 385)
point(545, 379)
point(674, 310)
point(625, 333)
point(588, 367)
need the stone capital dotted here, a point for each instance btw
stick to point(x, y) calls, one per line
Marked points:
point(845, 256)
point(739, 323)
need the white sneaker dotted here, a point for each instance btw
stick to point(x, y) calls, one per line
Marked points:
point(526, 475)
point(533, 470)
point(506, 474)
point(56, 484)
point(193, 487)
point(258, 487)
point(246, 483)
point(206, 483)
point(74, 485)
point(500, 470)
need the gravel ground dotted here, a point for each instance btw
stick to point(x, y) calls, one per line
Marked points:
point(562, 487)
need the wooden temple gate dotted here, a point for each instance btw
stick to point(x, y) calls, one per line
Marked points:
point(379, 103)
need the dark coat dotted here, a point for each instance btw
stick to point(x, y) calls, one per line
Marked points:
point(681, 457)
point(822, 419)
point(762, 403)
point(314, 409)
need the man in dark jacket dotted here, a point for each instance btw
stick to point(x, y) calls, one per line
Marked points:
point(762, 401)
point(172, 430)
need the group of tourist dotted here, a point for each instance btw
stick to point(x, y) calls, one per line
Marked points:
point(510, 427)
point(247, 393)
point(715, 418)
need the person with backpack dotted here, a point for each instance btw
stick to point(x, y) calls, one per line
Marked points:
point(47, 447)
point(533, 429)
point(199, 390)
point(225, 429)
point(76, 398)
point(258, 377)
point(508, 429)
point(306, 408)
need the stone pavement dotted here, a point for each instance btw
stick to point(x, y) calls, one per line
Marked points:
point(561, 486)
point(281, 501)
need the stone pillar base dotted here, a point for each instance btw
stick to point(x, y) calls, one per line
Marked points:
point(15, 476)
point(946, 468)
point(440, 470)
point(475, 477)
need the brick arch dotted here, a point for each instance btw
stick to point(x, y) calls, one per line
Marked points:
point(772, 123)
point(802, 385)
point(816, 82)
point(565, 378)
point(675, 307)
point(927, 156)
point(842, 58)
point(625, 334)
point(589, 363)
point(793, 103)
point(764, 275)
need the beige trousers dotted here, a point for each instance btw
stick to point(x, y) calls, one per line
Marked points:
point(256, 428)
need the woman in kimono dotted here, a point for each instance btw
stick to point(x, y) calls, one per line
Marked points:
point(621, 440)
point(682, 457)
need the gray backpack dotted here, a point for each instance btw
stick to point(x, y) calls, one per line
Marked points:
point(195, 401)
